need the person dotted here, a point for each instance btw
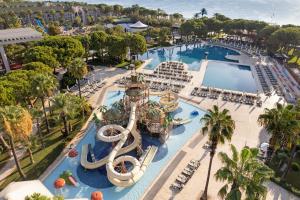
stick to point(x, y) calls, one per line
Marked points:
point(119, 92)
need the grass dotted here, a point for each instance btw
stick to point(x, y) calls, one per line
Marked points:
point(4, 157)
point(54, 144)
point(122, 64)
point(292, 182)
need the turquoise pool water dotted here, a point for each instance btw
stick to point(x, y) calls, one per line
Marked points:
point(95, 180)
point(192, 55)
point(229, 76)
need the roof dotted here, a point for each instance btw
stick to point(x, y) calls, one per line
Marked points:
point(18, 35)
point(138, 24)
point(19, 190)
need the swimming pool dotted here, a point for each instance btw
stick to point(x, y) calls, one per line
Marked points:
point(192, 55)
point(95, 180)
point(229, 76)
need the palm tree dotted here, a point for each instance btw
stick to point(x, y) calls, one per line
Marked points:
point(82, 104)
point(280, 122)
point(17, 124)
point(37, 115)
point(220, 127)
point(42, 86)
point(203, 12)
point(293, 138)
point(64, 105)
point(243, 173)
point(78, 70)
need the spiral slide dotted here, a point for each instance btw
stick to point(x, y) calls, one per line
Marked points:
point(139, 166)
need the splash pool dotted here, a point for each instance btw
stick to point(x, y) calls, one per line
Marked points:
point(192, 55)
point(95, 180)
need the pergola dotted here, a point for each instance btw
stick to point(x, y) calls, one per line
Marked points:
point(14, 36)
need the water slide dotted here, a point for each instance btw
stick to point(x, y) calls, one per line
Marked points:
point(178, 122)
point(139, 166)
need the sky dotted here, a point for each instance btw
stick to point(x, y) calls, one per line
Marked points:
point(274, 11)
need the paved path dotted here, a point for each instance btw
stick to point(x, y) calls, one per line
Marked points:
point(10, 165)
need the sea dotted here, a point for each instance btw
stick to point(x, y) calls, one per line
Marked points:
point(272, 11)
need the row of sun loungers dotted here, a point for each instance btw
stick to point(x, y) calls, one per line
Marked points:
point(262, 80)
point(172, 70)
point(88, 89)
point(185, 175)
point(241, 46)
point(226, 96)
point(156, 85)
point(273, 81)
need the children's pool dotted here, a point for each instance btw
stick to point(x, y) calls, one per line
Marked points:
point(192, 55)
point(96, 180)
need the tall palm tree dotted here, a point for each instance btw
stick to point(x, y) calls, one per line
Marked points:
point(220, 127)
point(280, 122)
point(243, 172)
point(37, 115)
point(203, 12)
point(66, 108)
point(78, 70)
point(293, 135)
point(16, 122)
point(42, 86)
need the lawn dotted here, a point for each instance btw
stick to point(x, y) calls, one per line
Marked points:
point(54, 144)
point(292, 181)
point(4, 157)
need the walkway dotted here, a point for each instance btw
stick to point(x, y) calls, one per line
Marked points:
point(10, 165)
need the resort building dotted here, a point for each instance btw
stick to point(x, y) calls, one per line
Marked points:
point(15, 36)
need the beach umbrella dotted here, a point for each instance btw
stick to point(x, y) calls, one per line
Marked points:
point(59, 183)
point(97, 195)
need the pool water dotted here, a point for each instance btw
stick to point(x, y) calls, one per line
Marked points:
point(96, 180)
point(192, 55)
point(229, 76)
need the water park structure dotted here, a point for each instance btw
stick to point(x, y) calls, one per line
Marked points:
point(142, 114)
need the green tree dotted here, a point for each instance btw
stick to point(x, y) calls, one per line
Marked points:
point(203, 12)
point(284, 38)
point(164, 35)
point(137, 44)
point(42, 86)
point(78, 70)
point(293, 135)
point(37, 196)
point(64, 105)
point(20, 82)
point(280, 122)
point(220, 127)
point(53, 29)
point(99, 42)
point(16, 122)
point(244, 173)
point(42, 54)
point(38, 67)
point(86, 43)
point(117, 47)
point(65, 48)
point(6, 95)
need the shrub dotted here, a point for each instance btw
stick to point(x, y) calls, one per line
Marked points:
point(138, 63)
point(67, 80)
point(295, 166)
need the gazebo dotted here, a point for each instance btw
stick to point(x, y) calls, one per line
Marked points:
point(14, 36)
point(138, 26)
